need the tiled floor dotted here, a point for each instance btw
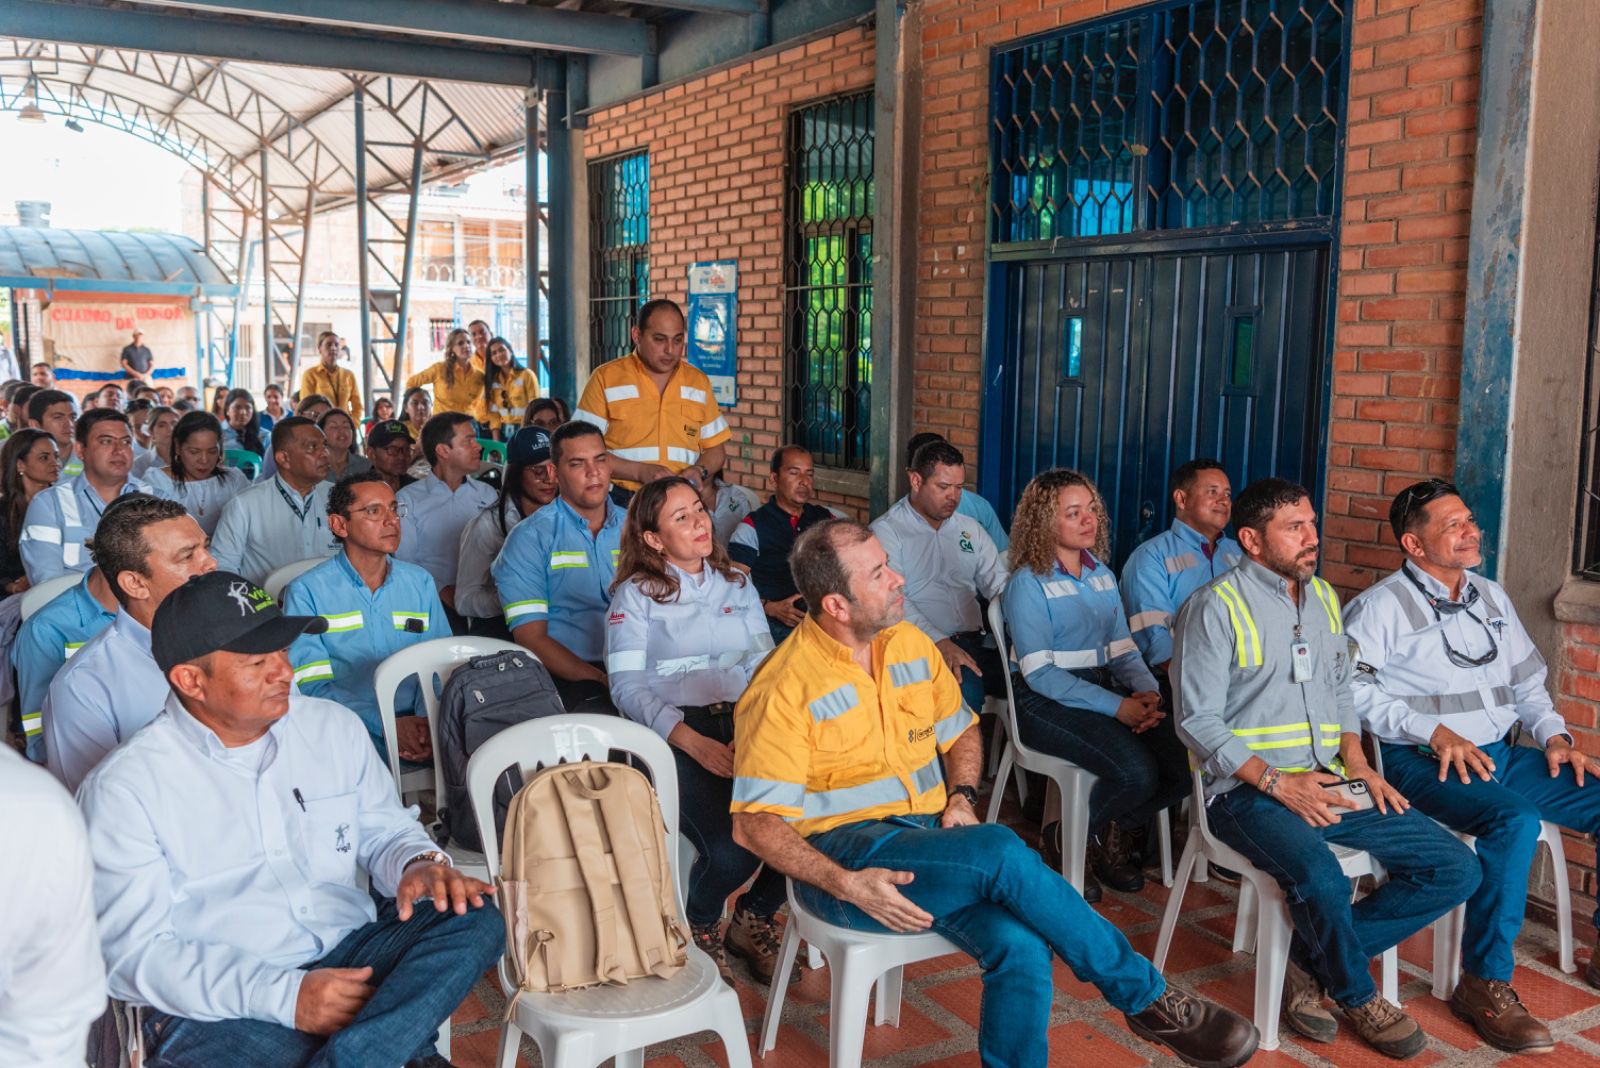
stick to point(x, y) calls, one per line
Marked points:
point(940, 1007)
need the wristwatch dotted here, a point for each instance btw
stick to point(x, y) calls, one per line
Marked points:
point(967, 792)
point(432, 856)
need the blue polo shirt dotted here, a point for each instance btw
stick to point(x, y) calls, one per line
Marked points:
point(1160, 576)
point(45, 642)
point(365, 627)
point(552, 568)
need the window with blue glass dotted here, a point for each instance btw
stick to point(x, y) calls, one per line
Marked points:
point(1200, 114)
point(619, 251)
point(828, 280)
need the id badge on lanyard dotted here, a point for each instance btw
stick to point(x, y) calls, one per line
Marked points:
point(1299, 658)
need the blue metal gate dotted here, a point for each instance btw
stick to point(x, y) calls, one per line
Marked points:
point(1163, 209)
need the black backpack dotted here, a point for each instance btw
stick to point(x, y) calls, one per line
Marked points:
point(484, 696)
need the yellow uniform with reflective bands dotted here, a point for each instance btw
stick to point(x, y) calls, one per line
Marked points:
point(338, 385)
point(510, 397)
point(464, 396)
point(1234, 682)
point(823, 743)
point(670, 427)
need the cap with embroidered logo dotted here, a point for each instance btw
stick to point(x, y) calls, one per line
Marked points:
point(222, 612)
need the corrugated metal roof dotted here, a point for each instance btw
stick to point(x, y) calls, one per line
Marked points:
point(144, 260)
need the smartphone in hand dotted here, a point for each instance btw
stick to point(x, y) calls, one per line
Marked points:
point(1353, 790)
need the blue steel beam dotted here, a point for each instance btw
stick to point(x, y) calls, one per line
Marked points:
point(710, 7)
point(480, 21)
point(187, 34)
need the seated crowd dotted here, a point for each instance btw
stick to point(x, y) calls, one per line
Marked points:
point(239, 866)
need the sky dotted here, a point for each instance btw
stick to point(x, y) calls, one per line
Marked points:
point(101, 179)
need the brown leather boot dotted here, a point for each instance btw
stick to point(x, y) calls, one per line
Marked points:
point(1198, 1032)
point(1303, 1008)
point(758, 940)
point(1387, 1029)
point(709, 940)
point(1499, 1016)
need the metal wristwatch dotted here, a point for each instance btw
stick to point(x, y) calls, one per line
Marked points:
point(432, 856)
point(969, 793)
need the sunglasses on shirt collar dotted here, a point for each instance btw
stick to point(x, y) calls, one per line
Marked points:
point(1443, 606)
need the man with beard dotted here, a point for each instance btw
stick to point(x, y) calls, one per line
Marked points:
point(1261, 668)
point(761, 544)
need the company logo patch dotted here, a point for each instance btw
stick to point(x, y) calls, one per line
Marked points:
point(727, 609)
point(966, 543)
point(249, 598)
point(919, 734)
point(615, 617)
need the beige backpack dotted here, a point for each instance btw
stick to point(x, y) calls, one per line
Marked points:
point(585, 881)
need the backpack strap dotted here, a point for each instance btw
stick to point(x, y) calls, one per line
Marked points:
point(584, 827)
point(639, 887)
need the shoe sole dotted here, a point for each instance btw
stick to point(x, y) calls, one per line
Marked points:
point(1244, 1054)
point(1471, 1018)
point(1398, 1053)
point(1307, 1033)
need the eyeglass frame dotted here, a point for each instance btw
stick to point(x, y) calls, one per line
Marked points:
point(1442, 607)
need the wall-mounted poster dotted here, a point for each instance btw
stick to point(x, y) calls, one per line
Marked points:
point(713, 312)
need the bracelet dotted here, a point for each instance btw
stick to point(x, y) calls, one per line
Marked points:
point(1269, 781)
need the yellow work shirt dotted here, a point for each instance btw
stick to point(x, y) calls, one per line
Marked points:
point(821, 743)
point(338, 385)
point(465, 396)
point(509, 398)
point(670, 427)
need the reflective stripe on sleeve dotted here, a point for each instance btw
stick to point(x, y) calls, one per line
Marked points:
point(625, 660)
point(70, 649)
point(519, 611)
point(769, 792)
point(1531, 665)
point(1120, 647)
point(40, 532)
point(953, 726)
point(581, 416)
point(33, 724)
point(713, 428)
point(1067, 659)
point(1144, 620)
point(317, 669)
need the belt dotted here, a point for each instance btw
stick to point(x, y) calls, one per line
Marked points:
point(721, 708)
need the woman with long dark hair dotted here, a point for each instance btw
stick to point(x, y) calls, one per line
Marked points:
point(457, 384)
point(686, 634)
point(1083, 693)
point(242, 429)
point(344, 458)
point(159, 453)
point(508, 389)
point(196, 478)
point(529, 484)
point(545, 413)
point(29, 462)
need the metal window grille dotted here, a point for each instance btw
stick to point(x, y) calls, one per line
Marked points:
point(1586, 539)
point(619, 241)
point(1205, 113)
point(828, 280)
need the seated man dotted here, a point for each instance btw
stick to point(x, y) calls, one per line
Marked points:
point(762, 542)
point(838, 745)
point(439, 507)
point(49, 638)
point(146, 547)
point(233, 838)
point(63, 518)
point(283, 519)
point(375, 606)
point(554, 572)
point(972, 505)
point(1261, 668)
point(1448, 680)
point(1161, 574)
point(389, 451)
point(948, 563)
point(56, 413)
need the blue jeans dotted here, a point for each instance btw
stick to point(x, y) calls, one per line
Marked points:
point(992, 896)
point(1504, 815)
point(422, 969)
point(992, 683)
point(1430, 873)
point(1136, 775)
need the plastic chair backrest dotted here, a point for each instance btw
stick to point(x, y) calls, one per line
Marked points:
point(431, 662)
point(244, 460)
point(493, 451)
point(554, 739)
point(280, 578)
point(36, 597)
point(997, 627)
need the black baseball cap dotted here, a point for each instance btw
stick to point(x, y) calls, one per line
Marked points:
point(386, 432)
point(530, 445)
point(225, 612)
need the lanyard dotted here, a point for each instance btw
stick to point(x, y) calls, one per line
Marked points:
point(300, 512)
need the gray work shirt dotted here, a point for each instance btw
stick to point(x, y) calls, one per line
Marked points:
point(1233, 675)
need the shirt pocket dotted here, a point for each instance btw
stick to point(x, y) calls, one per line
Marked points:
point(839, 725)
point(331, 843)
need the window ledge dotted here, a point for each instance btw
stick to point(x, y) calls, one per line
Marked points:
point(1578, 602)
point(844, 482)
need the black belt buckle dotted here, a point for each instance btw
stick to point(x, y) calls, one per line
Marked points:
point(721, 708)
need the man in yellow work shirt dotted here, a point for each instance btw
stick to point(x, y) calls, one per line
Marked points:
point(336, 383)
point(656, 411)
point(844, 744)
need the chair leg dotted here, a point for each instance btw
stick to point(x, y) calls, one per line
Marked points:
point(886, 997)
point(788, 949)
point(630, 1058)
point(442, 1042)
point(1550, 835)
point(997, 744)
point(1007, 759)
point(574, 1049)
point(1244, 927)
point(847, 1010)
point(1164, 833)
point(510, 1043)
point(1272, 959)
point(1074, 788)
point(1447, 952)
point(728, 1022)
point(1391, 975)
point(1170, 914)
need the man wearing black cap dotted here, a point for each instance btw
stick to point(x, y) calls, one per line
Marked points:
point(389, 450)
point(230, 837)
point(529, 484)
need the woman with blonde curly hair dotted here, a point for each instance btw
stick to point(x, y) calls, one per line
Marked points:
point(1082, 691)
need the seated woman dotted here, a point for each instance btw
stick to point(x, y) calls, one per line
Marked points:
point(196, 477)
point(242, 429)
point(343, 456)
point(417, 408)
point(29, 462)
point(544, 413)
point(1082, 691)
point(686, 632)
point(158, 453)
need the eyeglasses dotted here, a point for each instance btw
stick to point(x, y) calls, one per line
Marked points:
point(375, 512)
point(1420, 495)
point(1445, 607)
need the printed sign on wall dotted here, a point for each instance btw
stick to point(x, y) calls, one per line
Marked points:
point(713, 313)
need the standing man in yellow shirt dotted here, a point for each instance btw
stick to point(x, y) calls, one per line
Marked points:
point(656, 411)
point(855, 773)
point(336, 383)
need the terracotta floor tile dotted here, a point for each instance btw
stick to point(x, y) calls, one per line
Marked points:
point(1190, 950)
point(915, 1030)
point(469, 1011)
point(1418, 949)
point(960, 1060)
point(935, 965)
point(1196, 896)
point(1436, 1018)
point(1081, 1043)
point(1563, 1056)
point(1348, 1051)
point(961, 997)
point(794, 1050)
point(1551, 999)
point(1236, 991)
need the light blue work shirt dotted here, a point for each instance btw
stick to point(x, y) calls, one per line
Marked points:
point(46, 640)
point(364, 628)
point(979, 509)
point(552, 569)
point(110, 689)
point(60, 520)
point(1063, 629)
point(1160, 576)
point(430, 531)
point(270, 525)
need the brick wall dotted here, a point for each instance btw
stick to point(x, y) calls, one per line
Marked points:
point(717, 167)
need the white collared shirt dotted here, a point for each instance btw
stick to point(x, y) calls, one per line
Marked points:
point(481, 540)
point(202, 498)
point(945, 569)
point(430, 532)
point(52, 978)
point(220, 872)
point(100, 698)
point(270, 525)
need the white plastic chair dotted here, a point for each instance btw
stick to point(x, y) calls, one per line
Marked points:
point(1263, 924)
point(856, 961)
point(582, 1028)
point(1073, 782)
point(281, 577)
point(36, 597)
